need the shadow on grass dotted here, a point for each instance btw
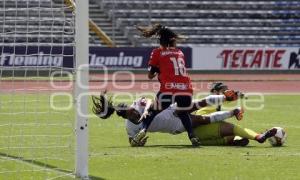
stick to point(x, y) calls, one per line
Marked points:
point(44, 165)
point(153, 146)
point(201, 146)
point(185, 146)
point(178, 146)
point(170, 146)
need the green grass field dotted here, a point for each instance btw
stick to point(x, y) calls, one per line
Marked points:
point(25, 153)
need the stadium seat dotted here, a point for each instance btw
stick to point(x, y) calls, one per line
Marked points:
point(212, 22)
point(208, 22)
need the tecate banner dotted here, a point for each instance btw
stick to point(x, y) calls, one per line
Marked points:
point(247, 58)
point(58, 56)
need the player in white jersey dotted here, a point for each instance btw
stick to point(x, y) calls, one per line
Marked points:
point(166, 121)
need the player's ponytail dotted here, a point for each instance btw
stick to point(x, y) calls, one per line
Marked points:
point(167, 38)
point(148, 32)
point(103, 107)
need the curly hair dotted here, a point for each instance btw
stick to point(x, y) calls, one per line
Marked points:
point(167, 38)
point(103, 108)
point(217, 86)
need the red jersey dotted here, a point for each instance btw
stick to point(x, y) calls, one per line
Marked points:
point(172, 75)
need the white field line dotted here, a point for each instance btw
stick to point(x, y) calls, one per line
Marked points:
point(39, 168)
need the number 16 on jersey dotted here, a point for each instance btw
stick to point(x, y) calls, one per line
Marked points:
point(179, 66)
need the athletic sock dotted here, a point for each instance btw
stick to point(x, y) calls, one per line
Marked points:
point(215, 99)
point(244, 132)
point(220, 116)
point(148, 120)
point(146, 123)
point(186, 121)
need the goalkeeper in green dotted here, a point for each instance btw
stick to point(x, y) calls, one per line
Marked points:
point(224, 133)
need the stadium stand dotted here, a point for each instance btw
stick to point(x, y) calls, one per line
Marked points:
point(48, 14)
point(107, 24)
point(212, 22)
point(209, 22)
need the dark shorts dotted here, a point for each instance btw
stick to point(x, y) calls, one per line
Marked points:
point(165, 100)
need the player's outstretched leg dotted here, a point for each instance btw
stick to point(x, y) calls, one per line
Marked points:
point(261, 138)
point(186, 121)
point(228, 129)
point(148, 119)
point(183, 102)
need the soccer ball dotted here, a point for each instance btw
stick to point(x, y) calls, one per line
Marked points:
point(279, 138)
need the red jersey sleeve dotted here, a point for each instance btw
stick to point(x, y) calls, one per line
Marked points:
point(154, 57)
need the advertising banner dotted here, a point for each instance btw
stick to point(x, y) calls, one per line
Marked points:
point(59, 56)
point(43, 56)
point(245, 58)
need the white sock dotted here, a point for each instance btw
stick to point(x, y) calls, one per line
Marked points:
point(220, 116)
point(215, 99)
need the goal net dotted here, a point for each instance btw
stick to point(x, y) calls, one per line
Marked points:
point(37, 75)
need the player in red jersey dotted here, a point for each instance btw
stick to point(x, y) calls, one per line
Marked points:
point(168, 63)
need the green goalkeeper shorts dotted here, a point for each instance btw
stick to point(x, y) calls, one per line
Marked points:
point(209, 131)
point(209, 135)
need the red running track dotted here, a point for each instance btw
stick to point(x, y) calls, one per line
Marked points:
point(264, 83)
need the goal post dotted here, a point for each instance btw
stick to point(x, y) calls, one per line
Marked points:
point(81, 86)
point(44, 73)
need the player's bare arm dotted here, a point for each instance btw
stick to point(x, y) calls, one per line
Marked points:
point(148, 105)
point(152, 72)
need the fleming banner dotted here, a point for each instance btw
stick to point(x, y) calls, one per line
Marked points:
point(61, 56)
point(245, 58)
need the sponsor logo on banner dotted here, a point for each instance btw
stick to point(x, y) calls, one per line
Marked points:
point(39, 59)
point(294, 60)
point(246, 58)
point(252, 58)
point(120, 60)
point(124, 58)
point(58, 56)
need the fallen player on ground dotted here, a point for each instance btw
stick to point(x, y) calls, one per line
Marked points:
point(224, 133)
point(166, 121)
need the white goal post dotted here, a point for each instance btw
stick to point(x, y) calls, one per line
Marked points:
point(81, 85)
point(44, 84)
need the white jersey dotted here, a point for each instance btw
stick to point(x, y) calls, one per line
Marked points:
point(139, 105)
point(164, 122)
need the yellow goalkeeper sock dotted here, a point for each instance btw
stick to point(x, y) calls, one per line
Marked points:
point(244, 132)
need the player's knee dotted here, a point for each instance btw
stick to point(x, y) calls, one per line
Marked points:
point(226, 129)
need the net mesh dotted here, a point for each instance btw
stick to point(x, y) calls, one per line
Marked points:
point(36, 75)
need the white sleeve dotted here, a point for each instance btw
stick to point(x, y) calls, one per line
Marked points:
point(139, 105)
point(215, 99)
